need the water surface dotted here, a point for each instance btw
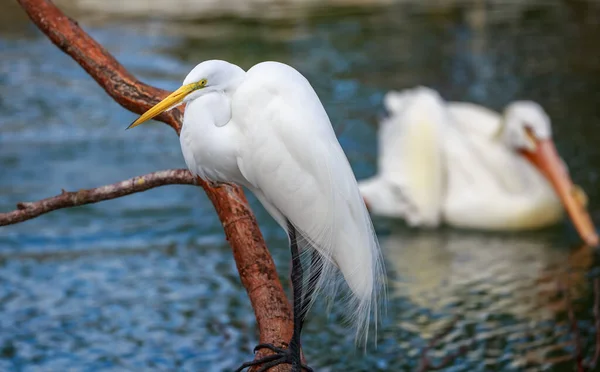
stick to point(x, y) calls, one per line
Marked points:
point(147, 282)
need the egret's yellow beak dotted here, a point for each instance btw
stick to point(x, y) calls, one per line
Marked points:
point(546, 159)
point(170, 101)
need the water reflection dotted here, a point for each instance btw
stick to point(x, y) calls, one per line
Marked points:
point(507, 293)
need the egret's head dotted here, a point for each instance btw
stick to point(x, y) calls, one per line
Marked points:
point(526, 129)
point(206, 77)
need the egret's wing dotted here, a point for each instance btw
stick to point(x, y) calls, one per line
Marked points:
point(293, 159)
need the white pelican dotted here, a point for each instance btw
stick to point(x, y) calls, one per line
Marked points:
point(470, 167)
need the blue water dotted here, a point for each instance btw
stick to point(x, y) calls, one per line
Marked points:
point(147, 282)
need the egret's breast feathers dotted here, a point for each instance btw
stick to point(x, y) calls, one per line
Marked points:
point(209, 142)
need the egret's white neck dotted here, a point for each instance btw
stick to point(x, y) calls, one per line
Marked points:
point(237, 75)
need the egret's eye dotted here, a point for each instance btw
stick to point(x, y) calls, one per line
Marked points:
point(202, 83)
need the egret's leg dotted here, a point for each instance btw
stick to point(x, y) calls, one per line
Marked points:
point(291, 355)
point(316, 266)
point(297, 276)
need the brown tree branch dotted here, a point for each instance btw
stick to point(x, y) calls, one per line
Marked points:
point(121, 85)
point(27, 211)
point(254, 263)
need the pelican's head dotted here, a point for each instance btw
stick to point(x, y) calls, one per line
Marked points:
point(206, 77)
point(526, 129)
point(525, 124)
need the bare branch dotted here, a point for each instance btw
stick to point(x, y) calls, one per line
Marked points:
point(254, 263)
point(123, 87)
point(27, 211)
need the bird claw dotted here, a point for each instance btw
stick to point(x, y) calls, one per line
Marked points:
point(214, 184)
point(218, 184)
point(281, 356)
point(273, 348)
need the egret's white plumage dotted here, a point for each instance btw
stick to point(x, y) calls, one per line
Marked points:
point(267, 130)
point(468, 166)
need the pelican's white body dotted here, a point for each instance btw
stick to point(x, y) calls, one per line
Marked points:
point(446, 162)
point(267, 130)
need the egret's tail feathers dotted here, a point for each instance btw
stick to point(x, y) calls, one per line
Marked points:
point(348, 252)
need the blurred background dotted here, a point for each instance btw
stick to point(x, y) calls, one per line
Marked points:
point(147, 282)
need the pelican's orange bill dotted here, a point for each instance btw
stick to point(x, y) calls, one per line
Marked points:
point(546, 159)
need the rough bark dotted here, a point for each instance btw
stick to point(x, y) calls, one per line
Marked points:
point(255, 265)
point(28, 210)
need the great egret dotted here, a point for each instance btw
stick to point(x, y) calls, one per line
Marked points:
point(468, 166)
point(267, 130)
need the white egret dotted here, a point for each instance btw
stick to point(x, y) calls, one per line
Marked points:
point(267, 130)
point(470, 167)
